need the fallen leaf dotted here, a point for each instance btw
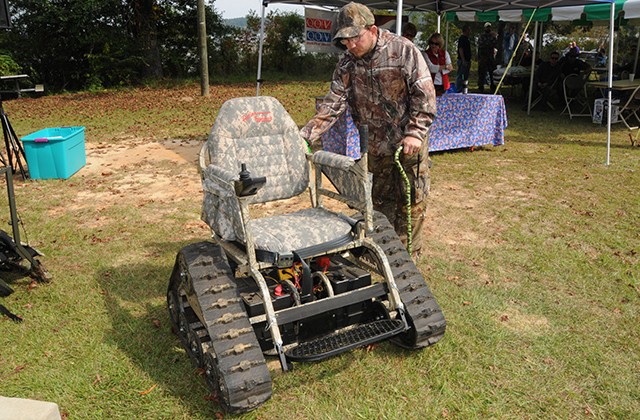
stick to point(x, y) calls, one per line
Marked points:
point(156, 323)
point(211, 397)
point(19, 368)
point(445, 412)
point(466, 302)
point(98, 379)
point(32, 285)
point(504, 318)
point(148, 390)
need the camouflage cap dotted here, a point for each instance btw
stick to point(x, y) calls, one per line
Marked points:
point(352, 19)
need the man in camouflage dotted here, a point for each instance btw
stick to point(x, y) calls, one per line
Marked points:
point(385, 81)
point(487, 44)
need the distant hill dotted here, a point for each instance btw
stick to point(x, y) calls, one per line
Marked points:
point(237, 22)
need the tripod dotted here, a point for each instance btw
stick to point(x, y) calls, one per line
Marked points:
point(12, 250)
point(16, 159)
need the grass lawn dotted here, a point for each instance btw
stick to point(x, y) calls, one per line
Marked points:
point(533, 253)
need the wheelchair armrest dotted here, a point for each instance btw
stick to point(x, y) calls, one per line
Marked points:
point(332, 160)
point(219, 181)
point(350, 178)
point(221, 207)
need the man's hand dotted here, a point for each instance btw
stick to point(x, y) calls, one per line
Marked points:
point(411, 145)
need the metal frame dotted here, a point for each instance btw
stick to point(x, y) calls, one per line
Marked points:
point(579, 96)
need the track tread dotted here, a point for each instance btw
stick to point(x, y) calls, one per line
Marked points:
point(242, 380)
point(422, 310)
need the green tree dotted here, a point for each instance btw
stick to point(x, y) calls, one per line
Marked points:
point(284, 37)
point(84, 44)
point(60, 42)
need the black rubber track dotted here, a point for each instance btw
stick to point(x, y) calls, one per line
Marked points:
point(221, 339)
point(423, 312)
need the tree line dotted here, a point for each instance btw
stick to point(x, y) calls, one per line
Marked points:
point(72, 45)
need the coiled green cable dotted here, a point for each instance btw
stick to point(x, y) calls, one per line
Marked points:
point(407, 183)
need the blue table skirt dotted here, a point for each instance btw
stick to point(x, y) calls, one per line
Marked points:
point(468, 120)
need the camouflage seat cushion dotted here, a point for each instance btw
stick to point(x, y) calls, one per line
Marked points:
point(299, 230)
point(258, 132)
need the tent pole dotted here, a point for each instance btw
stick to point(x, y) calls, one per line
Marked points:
point(446, 34)
point(259, 79)
point(506, 70)
point(635, 62)
point(533, 66)
point(610, 81)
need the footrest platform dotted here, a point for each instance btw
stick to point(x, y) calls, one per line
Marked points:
point(340, 342)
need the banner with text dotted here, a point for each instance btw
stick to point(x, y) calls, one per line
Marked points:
point(318, 29)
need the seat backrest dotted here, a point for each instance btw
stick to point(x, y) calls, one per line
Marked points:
point(258, 132)
point(574, 83)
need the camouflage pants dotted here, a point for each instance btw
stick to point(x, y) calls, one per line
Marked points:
point(389, 193)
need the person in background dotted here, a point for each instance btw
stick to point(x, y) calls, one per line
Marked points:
point(572, 45)
point(601, 57)
point(409, 31)
point(439, 63)
point(464, 58)
point(571, 64)
point(386, 83)
point(545, 77)
point(509, 43)
point(487, 43)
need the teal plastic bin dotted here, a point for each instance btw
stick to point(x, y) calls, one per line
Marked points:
point(55, 152)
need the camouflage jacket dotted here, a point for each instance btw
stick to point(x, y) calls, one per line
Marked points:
point(389, 89)
point(487, 41)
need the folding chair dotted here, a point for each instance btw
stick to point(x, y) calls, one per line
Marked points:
point(630, 109)
point(574, 88)
point(546, 94)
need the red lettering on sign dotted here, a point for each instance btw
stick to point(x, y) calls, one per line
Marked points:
point(264, 116)
point(315, 23)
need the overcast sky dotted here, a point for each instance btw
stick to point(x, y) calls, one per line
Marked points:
point(231, 9)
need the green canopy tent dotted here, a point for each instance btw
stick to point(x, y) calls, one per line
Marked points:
point(625, 10)
point(442, 7)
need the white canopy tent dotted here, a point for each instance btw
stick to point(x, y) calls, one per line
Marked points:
point(507, 8)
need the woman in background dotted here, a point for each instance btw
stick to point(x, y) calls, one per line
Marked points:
point(439, 63)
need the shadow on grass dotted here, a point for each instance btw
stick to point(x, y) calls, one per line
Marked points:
point(553, 128)
point(545, 139)
point(134, 296)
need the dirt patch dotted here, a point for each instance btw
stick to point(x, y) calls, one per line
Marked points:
point(141, 171)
